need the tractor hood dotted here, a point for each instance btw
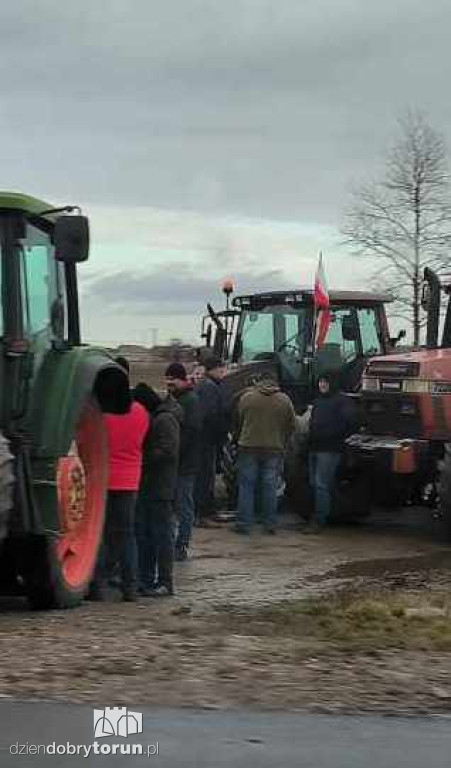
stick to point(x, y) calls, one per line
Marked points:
point(423, 370)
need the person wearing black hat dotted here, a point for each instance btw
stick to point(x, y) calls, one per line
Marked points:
point(183, 391)
point(332, 421)
point(213, 435)
point(154, 512)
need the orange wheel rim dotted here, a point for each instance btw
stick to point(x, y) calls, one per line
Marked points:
point(81, 487)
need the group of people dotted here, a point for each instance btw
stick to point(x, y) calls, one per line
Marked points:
point(162, 467)
point(164, 455)
point(266, 422)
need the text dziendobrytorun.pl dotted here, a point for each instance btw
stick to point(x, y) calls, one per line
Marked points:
point(85, 750)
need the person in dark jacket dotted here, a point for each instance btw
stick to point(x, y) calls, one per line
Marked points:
point(332, 421)
point(183, 391)
point(155, 526)
point(213, 435)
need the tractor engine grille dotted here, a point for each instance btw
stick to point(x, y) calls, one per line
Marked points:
point(392, 415)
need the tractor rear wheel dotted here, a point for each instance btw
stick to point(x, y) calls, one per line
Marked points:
point(352, 502)
point(445, 495)
point(6, 486)
point(62, 562)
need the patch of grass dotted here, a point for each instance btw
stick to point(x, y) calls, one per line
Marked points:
point(349, 622)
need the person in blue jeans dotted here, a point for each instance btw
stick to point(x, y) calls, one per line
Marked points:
point(266, 420)
point(183, 390)
point(331, 422)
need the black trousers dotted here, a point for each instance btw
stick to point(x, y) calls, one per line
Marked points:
point(119, 543)
point(204, 490)
point(155, 535)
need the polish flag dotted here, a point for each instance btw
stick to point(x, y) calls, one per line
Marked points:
point(322, 304)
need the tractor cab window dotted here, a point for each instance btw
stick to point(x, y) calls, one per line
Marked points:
point(39, 283)
point(277, 330)
point(257, 335)
point(341, 344)
point(369, 332)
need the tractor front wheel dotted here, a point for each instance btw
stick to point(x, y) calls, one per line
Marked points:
point(62, 562)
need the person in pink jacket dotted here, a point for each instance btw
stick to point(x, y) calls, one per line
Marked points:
point(126, 435)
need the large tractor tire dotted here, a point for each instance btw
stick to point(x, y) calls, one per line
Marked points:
point(60, 565)
point(352, 501)
point(6, 486)
point(444, 520)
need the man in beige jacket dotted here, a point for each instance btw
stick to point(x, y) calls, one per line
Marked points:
point(266, 420)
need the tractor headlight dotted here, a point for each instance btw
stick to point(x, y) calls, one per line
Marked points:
point(370, 384)
point(416, 386)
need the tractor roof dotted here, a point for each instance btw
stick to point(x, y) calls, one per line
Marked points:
point(304, 296)
point(16, 201)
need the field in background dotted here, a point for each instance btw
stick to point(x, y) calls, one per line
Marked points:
point(150, 368)
point(149, 371)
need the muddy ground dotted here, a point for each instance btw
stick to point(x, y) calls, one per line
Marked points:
point(358, 619)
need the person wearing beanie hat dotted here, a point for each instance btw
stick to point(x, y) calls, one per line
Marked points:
point(176, 372)
point(182, 390)
point(213, 435)
point(332, 421)
point(154, 511)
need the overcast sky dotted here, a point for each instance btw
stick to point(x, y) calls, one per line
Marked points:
point(209, 138)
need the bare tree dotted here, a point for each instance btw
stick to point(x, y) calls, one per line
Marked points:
point(405, 218)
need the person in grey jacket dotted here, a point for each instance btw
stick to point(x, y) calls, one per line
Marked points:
point(155, 524)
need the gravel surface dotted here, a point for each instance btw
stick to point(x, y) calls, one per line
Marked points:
point(181, 652)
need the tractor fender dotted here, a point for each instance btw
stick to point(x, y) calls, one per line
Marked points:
point(64, 381)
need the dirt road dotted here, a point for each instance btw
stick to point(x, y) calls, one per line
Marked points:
point(257, 623)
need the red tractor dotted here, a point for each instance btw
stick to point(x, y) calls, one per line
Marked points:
point(405, 445)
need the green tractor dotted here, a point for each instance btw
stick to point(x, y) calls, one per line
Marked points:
point(54, 390)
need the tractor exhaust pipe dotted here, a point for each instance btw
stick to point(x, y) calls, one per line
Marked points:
point(431, 303)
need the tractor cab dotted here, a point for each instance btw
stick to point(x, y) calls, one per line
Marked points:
point(40, 247)
point(277, 330)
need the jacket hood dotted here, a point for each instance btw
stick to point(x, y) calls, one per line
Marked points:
point(266, 388)
point(333, 378)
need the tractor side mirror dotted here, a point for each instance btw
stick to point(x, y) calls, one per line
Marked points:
point(71, 239)
point(425, 296)
point(396, 339)
point(238, 350)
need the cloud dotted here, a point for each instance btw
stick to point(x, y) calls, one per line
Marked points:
point(246, 107)
point(223, 112)
point(175, 289)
